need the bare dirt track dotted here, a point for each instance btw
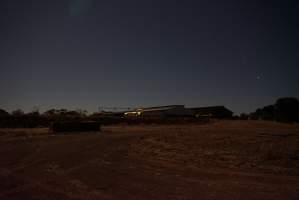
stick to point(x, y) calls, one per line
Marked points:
point(221, 160)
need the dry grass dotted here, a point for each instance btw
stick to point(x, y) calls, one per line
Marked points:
point(257, 146)
point(221, 160)
point(23, 132)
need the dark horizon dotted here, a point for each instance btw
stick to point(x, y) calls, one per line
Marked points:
point(88, 54)
point(130, 108)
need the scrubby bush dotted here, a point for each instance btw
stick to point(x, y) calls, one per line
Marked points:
point(3, 113)
point(284, 110)
point(287, 110)
point(265, 113)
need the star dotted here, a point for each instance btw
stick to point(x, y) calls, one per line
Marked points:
point(79, 7)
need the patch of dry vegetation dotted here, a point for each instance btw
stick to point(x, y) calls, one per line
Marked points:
point(256, 146)
point(222, 160)
point(22, 132)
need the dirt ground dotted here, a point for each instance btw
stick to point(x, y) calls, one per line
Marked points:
point(221, 160)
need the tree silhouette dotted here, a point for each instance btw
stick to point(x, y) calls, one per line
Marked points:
point(287, 110)
point(17, 112)
point(3, 113)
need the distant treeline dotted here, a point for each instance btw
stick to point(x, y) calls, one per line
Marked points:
point(19, 119)
point(283, 110)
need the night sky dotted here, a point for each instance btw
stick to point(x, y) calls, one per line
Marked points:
point(89, 53)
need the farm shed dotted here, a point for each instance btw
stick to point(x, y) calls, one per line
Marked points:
point(219, 112)
point(161, 111)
